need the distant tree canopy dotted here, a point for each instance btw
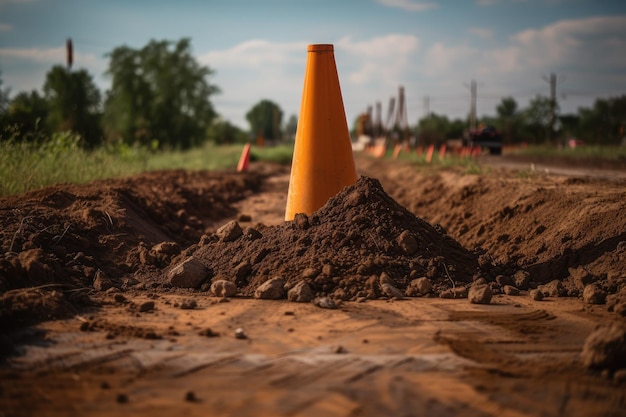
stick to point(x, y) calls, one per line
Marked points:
point(159, 92)
point(73, 103)
point(27, 114)
point(265, 119)
point(222, 132)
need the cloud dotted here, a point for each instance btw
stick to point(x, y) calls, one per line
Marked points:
point(255, 54)
point(409, 5)
point(594, 42)
point(4, 27)
point(378, 60)
point(48, 56)
point(483, 33)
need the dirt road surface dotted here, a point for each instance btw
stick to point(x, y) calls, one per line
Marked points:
point(93, 327)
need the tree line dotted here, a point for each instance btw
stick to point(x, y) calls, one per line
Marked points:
point(160, 97)
point(538, 123)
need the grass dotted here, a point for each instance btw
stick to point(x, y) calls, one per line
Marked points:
point(26, 166)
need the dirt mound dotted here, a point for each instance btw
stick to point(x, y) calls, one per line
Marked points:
point(342, 249)
point(103, 234)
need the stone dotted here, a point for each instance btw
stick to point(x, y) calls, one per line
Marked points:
point(385, 279)
point(301, 293)
point(503, 280)
point(188, 304)
point(407, 242)
point(419, 287)
point(101, 282)
point(457, 292)
point(229, 232)
point(301, 221)
point(223, 288)
point(510, 290)
point(605, 348)
point(190, 273)
point(167, 248)
point(581, 277)
point(521, 279)
point(325, 302)
point(272, 289)
point(251, 233)
point(242, 271)
point(535, 295)
point(479, 294)
point(592, 294)
point(391, 291)
point(553, 288)
point(620, 309)
point(146, 307)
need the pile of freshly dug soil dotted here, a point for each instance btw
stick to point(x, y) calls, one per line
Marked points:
point(342, 249)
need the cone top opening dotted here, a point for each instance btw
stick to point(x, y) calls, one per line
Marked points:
point(323, 47)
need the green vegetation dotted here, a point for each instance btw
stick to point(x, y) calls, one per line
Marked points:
point(26, 166)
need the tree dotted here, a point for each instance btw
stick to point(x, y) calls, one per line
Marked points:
point(73, 103)
point(291, 126)
point(223, 132)
point(537, 119)
point(508, 118)
point(605, 122)
point(436, 129)
point(159, 92)
point(26, 116)
point(265, 119)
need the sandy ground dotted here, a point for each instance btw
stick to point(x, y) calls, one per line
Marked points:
point(149, 350)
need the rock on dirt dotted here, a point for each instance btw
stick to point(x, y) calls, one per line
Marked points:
point(190, 273)
point(300, 293)
point(419, 287)
point(272, 289)
point(480, 294)
point(593, 294)
point(223, 288)
point(605, 348)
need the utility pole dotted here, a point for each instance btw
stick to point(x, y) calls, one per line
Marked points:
point(473, 104)
point(552, 115)
point(69, 53)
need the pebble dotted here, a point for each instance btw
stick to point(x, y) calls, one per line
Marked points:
point(240, 334)
point(325, 302)
point(391, 291)
point(146, 307)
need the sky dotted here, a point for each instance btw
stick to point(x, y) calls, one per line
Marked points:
point(258, 48)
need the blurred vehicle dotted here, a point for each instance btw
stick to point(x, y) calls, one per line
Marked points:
point(486, 137)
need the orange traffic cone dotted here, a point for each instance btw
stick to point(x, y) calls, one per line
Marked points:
point(323, 163)
point(244, 159)
point(429, 153)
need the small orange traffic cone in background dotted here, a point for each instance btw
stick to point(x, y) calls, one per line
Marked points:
point(429, 153)
point(323, 163)
point(244, 159)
